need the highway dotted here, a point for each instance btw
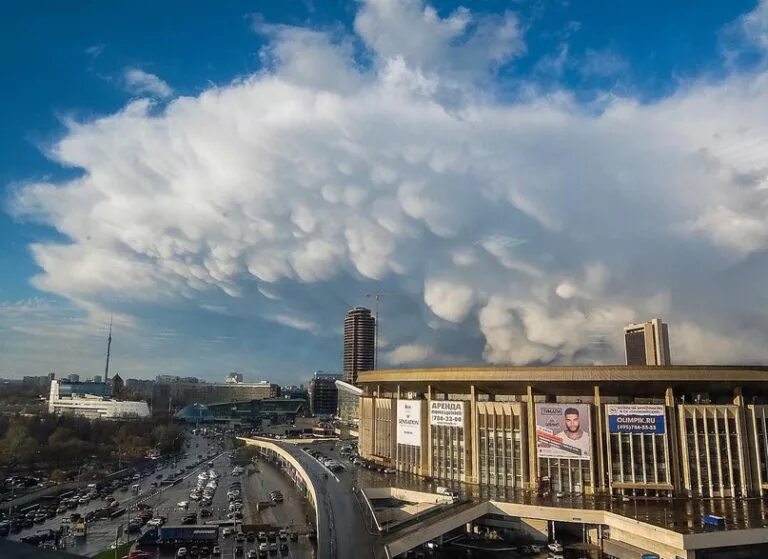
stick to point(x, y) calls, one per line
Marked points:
point(101, 533)
point(291, 513)
point(343, 532)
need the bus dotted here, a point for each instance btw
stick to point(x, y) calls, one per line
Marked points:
point(80, 530)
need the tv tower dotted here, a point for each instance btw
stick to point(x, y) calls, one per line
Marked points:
point(109, 346)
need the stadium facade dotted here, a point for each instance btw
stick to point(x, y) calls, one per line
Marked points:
point(662, 461)
point(663, 431)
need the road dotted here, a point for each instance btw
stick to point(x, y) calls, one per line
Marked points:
point(101, 533)
point(291, 513)
point(343, 532)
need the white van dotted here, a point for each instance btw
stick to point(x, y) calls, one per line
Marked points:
point(447, 492)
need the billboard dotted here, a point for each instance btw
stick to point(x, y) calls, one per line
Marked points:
point(636, 418)
point(443, 413)
point(409, 422)
point(563, 431)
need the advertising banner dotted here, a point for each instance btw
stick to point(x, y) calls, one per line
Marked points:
point(636, 418)
point(446, 414)
point(563, 431)
point(409, 422)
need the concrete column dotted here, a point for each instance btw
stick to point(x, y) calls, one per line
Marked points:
point(601, 446)
point(672, 441)
point(687, 485)
point(473, 430)
point(741, 437)
point(748, 481)
point(533, 470)
point(754, 414)
point(426, 461)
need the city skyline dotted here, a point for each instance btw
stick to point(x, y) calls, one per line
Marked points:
point(519, 183)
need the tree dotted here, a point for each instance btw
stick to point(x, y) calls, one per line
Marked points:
point(17, 447)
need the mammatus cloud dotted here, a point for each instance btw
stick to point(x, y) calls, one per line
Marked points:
point(143, 83)
point(538, 226)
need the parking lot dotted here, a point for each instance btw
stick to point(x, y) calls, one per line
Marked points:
point(100, 533)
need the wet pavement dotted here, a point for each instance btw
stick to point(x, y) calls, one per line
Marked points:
point(293, 513)
point(344, 530)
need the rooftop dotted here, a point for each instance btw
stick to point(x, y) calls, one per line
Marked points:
point(564, 380)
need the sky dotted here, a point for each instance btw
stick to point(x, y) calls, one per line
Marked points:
point(518, 180)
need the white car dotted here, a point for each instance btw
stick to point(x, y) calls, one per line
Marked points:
point(183, 504)
point(227, 531)
point(555, 546)
point(155, 522)
point(182, 552)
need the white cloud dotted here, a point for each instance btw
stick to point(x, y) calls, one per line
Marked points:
point(602, 63)
point(755, 25)
point(139, 82)
point(294, 322)
point(535, 227)
point(94, 51)
point(406, 354)
point(449, 301)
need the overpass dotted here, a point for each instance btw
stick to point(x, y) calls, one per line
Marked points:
point(337, 511)
point(633, 536)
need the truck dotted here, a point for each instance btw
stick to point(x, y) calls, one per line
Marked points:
point(197, 534)
point(714, 521)
point(440, 490)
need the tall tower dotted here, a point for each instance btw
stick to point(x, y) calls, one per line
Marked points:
point(109, 347)
point(647, 343)
point(359, 350)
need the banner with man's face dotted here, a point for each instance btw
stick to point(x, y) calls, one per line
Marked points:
point(563, 431)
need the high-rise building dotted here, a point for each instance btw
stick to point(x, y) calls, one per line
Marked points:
point(359, 339)
point(323, 394)
point(647, 343)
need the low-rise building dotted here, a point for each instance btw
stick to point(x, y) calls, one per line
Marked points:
point(93, 400)
point(323, 394)
point(348, 402)
point(185, 393)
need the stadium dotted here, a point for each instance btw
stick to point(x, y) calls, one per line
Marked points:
point(691, 437)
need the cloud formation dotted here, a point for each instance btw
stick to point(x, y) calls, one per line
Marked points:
point(143, 83)
point(528, 231)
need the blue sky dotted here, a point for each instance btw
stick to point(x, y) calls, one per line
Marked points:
point(491, 243)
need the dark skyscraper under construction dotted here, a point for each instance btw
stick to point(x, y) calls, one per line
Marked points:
point(359, 340)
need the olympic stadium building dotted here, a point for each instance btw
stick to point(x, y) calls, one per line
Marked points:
point(642, 457)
